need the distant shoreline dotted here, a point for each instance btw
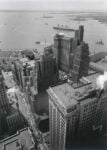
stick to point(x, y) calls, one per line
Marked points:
point(55, 11)
point(101, 16)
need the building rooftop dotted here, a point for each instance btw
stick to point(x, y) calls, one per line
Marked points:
point(31, 63)
point(65, 93)
point(103, 63)
point(68, 95)
point(33, 91)
point(22, 138)
point(26, 61)
point(5, 54)
point(8, 79)
point(98, 56)
point(63, 36)
point(99, 66)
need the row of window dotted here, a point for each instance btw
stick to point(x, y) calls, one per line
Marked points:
point(92, 103)
point(90, 109)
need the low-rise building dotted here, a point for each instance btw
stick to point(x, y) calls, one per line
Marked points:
point(99, 66)
point(8, 79)
point(22, 140)
point(15, 122)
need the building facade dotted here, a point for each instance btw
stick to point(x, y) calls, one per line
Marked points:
point(11, 119)
point(75, 113)
point(63, 120)
point(62, 50)
point(39, 73)
point(23, 139)
point(47, 70)
point(72, 53)
point(24, 71)
point(4, 102)
point(15, 122)
point(79, 34)
point(80, 62)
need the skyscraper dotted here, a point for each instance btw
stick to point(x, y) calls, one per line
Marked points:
point(25, 70)
point(4, 105)
point(71, 53)
point(79, 34)
point(4, 102)
point(80, 62)
point(63, 116)
point(62, 49)
point(73, 112)
point(100, 121)
point(47, 70)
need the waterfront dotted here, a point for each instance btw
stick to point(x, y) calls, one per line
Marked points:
point(27, 27)
point(71, 105)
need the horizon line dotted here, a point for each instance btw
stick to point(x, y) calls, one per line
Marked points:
point(85, 10)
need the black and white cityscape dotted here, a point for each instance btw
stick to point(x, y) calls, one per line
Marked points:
point(53, 75)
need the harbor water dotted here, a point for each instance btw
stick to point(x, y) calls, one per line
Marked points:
point(25, 29)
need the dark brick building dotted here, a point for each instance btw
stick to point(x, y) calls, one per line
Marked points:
point(47, 70)
point(72, 54)
point(62, 49)
point(80, 62)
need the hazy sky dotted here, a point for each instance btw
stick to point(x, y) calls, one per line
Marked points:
point(54, 4)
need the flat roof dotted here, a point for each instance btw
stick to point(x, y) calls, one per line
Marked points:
point(31, 63)
point(8, 79)
point(98, 56)
point(34, 92)
point(93, 77)
point(65, 93)
point(99, 66)
point(23, 136)
point(24, 60)
point(69, 96)
point(27, 61)
point(5, 54)
point(103, 64)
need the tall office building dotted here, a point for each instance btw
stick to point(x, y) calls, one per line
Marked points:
point(62, 49)
point(100, 121)
point(47, 70)
point(79, 34)
point(24, 71)
point(63, 117)
point(4, 102)
point(15, 121)
point(80, 62)
point(10, 118)
point(72, 112)
point(68, 50)
point(39, 73)
point(3, 125)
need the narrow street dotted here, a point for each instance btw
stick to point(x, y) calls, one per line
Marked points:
point(25, 109)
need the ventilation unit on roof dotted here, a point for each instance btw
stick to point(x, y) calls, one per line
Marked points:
point(77, 93)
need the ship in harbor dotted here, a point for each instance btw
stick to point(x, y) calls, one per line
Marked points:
point(37, 42)
point(47, 16)
point(100, 42)
point(62, 27)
